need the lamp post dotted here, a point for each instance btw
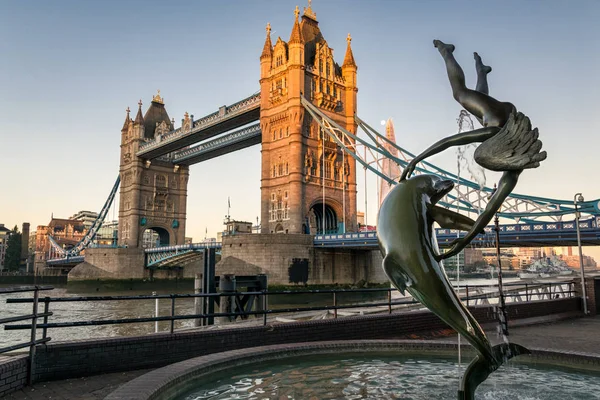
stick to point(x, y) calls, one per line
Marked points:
point(502, 316)
point(578, 198)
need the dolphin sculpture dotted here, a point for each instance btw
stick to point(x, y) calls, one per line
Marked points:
point(412, 263)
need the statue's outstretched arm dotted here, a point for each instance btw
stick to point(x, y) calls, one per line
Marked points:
point(460, 139)
point(507, 183)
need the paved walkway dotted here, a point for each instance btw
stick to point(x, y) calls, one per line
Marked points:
point(89, 388)
point(577, 335)
point(580, 335)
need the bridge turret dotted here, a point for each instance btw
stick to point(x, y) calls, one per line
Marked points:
point(267, 54)
point(127, 122)
point(138, 125)
point(296, 43)
point(153, 193)
point(349, 69)
point(266, 60)
point(296, 161)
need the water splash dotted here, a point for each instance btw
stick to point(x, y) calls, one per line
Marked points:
point(464, 154)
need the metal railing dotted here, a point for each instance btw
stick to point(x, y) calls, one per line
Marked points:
point(470, 294)
point(33, 341)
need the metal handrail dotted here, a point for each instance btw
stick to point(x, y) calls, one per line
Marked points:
point(33, 327)
point(527, 287)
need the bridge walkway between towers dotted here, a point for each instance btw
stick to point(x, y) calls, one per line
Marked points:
point(225, 119)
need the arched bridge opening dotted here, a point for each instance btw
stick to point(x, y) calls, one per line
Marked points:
point(155, 237)
point(325, 219)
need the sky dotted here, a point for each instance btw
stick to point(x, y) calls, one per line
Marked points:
point(69, 69)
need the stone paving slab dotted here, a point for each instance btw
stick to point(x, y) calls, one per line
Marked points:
point(88, 388)
point(574, 335)
point(580, 335)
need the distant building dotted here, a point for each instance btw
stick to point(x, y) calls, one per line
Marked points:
point(65, 232)
point(150, 239)
point(360, 218)
point(24, 243)
point(389, 167)
point(573, 262)
point(508, 259)
point(233, 227)
point(527, 255)
point(31, 243)
point(107, 234)
point(4, 235)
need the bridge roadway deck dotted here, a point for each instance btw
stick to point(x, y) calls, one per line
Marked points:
point(574, 335)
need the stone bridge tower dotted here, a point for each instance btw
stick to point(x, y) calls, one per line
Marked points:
point(308, 185)
point(153, 193)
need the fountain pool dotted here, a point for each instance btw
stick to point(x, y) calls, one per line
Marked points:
point(363, 369)
point(384, 376)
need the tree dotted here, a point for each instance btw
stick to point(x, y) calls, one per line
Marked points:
point(12, 258)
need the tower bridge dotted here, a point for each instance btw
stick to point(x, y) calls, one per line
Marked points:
point(304, 117)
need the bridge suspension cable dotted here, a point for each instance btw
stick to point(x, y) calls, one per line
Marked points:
point(94, 228)
point(467, 195)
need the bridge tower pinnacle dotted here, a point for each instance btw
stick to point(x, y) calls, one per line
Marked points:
point(308, 184)
point(153, 194)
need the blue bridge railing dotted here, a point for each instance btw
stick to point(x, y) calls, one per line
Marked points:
point(542, 233)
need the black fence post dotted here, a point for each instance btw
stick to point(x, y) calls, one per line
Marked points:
point(264, 307)
point(46, 309)
point(36, 295)
point(172, 313)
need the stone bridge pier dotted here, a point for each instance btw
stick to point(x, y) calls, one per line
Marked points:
point(293, 259)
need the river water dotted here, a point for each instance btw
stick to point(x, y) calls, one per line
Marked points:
point(119, 309)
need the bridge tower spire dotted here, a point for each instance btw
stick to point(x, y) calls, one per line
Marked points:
point(153, 193)
point(307, 183)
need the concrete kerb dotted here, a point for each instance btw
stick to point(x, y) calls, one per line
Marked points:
point(178, 378)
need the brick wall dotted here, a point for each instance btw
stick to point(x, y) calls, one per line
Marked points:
point(13, 374)
point(590, 291)
point(82, 358)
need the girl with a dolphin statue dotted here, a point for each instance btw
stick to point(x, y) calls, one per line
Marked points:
point(411, 258)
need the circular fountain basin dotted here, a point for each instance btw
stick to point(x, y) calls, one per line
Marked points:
point(371, 369)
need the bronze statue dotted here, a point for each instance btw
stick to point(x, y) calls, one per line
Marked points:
point(508, 144)
point(411, 262)
point(411, 258)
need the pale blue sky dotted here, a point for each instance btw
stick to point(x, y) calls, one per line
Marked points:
point(68, 70)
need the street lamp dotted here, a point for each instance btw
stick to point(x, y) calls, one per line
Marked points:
point(502, 314)
point(578, 198)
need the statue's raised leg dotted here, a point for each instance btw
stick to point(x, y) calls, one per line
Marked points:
point(482, 72)
point(485, 108)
